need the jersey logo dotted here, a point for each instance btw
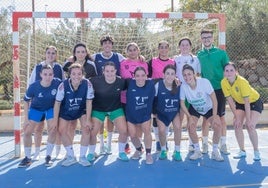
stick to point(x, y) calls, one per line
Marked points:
point(53, 92)
point(140, 100)
point(75, 101)
point(40, 95)
point(170, 103)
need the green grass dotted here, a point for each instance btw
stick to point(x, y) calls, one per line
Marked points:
point(5, 105)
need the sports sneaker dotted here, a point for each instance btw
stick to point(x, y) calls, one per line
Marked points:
point(69, 161)
point(240, 154)
point(205, 148)
point(36, 157)
point(127, 148)
point(224, 149)
point(216, 156)
point(25, 162)
point(137, 155)
point(123, 156)
point(177, 156)
point(158, 146)
point(83, 161)
point(48, 161)
point(191, 148)
point(163, 155)
point(149, 158)
point(196, 155)
point(257, 156)
point(91, 157)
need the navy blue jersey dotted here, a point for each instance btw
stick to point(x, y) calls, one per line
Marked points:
point(167, 104)
point(139, 101)
point(57, 70)
point(73, 102)
point(107, 96)
point(100, 61)
point(42, 98)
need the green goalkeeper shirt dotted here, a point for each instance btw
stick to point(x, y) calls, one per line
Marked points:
point(212, 63)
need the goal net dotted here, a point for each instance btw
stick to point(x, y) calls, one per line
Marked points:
point(34, 31)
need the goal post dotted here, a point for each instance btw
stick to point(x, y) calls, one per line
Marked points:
point(156, 31)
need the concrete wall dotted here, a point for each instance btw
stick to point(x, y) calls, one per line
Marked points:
point(7, 123)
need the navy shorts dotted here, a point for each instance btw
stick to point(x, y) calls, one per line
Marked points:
point(256, 106)
point(193, 112)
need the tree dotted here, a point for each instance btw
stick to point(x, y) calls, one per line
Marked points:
point(6, 52)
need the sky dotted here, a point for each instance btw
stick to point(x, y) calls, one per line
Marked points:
point(92, 5)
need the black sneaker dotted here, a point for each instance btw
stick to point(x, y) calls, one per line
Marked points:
point(25, 162)
point(48, 161)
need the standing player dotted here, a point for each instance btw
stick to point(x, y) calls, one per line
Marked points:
point(73, 102)
point(38, 106)
point(167, 110)
point(50, 59)
point(140, 96)
point(155, 68)
point(213, 60)
point(246, 106)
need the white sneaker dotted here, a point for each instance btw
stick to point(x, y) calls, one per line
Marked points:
point(149, 159)
point(257, 156)
point(205, 148)
point(224, 149)
point(191, 148)
point(216, 156)
point(69, 161)
point(197, 154)
point(84, 162)
point(240, 154)
point(137, 155)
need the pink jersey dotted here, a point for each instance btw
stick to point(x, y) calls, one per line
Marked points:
point(158, 66)
point(127, 68)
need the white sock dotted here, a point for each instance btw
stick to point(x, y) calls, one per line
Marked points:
point(121, 147)
point(27, 151)
point(177, 148)
point(190, 141)
point(109, 139)
point(92, 149)
point(83, 150)
point(215, 147)
point(58, 148)
point(101, 140)
point(69, 150)
point(37, 151)
point(196, 147)
point(156, 135)
point(223, 140)
point(205, 140)
point(49, 149)
point(163, 148)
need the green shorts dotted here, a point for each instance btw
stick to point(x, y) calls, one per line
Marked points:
point(111, 115)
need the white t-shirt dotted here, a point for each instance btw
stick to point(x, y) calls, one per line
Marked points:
point(199, 97)
point(181, 60)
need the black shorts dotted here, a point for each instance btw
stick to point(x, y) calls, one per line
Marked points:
point(193, 112)
point(221, 102)
point(256, 106)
